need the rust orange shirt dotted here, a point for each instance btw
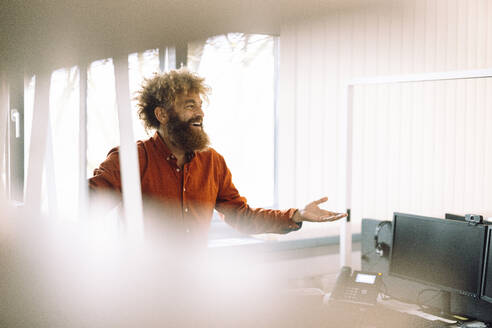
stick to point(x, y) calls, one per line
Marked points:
point(189, 195)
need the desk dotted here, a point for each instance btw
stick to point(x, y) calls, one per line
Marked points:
point(315, 312)
point(387, 314)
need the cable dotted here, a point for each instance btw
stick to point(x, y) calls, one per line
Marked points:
point(384, 294)
point(376, 262)
point(424, 306)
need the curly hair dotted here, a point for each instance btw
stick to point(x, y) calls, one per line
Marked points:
point(162, 89)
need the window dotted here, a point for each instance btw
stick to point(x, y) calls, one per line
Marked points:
point(59, 196)
point(102, 113)
point(240, 119)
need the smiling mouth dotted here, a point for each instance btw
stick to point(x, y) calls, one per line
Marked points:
point(197, 124)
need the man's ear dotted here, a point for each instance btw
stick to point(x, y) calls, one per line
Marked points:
point(161, 114)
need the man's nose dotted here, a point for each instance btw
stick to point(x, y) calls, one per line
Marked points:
point(199, 111)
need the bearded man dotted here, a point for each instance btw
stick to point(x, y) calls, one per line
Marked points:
point(179, 170)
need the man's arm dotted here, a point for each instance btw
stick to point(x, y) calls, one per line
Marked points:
point(244, 218)
point(105, 184)
point(258, 220)
point(107, 175)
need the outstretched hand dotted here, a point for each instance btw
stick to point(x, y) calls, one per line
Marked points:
point(313, 213)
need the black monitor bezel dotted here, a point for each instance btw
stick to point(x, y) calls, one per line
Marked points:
point(450, 216)
point(484, 265)
point(475, 294)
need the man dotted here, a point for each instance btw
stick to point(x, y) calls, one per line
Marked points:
point(181, 172)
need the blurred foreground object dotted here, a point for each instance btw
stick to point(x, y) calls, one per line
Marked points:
point(66, 274)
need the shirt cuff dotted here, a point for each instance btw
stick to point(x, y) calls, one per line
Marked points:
point(295, 225)
point(299, 226)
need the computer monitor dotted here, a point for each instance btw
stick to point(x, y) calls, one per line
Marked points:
point(445, 254)
point(486, 293)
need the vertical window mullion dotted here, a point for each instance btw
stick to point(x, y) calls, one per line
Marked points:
point(15, 123)
point(39, 135)
point(4, 126)
point(83, 188)
point(276, 52)
point(129, 167)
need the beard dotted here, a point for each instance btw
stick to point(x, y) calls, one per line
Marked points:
point(184, 136)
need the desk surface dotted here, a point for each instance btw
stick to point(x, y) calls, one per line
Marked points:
point(387, 313)
point(383, 315)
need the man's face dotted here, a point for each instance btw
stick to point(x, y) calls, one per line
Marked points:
point(185, 123)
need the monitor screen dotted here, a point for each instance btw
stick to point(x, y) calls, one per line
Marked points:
point(487, 274)
point(446, 254)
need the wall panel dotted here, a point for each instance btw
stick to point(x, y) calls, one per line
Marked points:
point(420, 147)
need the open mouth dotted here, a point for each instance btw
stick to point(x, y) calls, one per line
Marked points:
point(196, 124)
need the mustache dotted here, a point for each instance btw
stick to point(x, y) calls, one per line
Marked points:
point(196, 119)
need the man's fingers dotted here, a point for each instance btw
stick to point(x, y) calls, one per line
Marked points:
point(332, 217)
point(319, 201)
point(339, 216)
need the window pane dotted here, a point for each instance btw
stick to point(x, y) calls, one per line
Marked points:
point(59, 193)
point(102, 111)
point(240, 117)
point(102, 114)
point(63, 161)
point(141, 65)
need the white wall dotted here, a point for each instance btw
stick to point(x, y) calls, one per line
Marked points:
point(421, 148)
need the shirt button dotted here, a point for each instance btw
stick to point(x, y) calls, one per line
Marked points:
point(178, 170)
point(186, 209)
point(167, 158)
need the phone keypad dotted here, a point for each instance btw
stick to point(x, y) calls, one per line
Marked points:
point(351, 293)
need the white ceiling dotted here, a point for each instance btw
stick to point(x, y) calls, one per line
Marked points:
point(57, 33)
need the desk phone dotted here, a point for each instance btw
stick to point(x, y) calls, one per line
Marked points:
point(356, 287)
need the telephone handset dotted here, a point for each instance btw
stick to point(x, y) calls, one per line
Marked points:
point(356, 287)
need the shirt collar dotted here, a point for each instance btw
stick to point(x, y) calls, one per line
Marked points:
point(162, 147)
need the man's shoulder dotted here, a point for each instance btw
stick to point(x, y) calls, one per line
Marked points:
point(211, 158)
point(140, 144)
point(148, 141)
point(209, 153)
point(149, 145)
